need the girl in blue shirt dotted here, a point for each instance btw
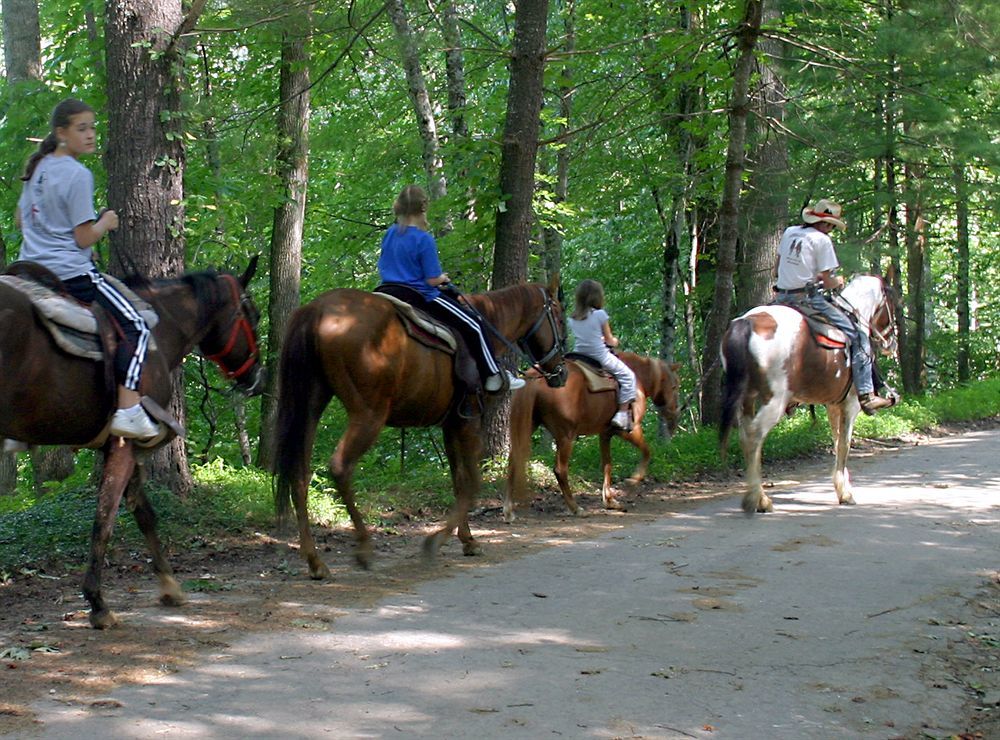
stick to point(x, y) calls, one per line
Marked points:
point(410, 257)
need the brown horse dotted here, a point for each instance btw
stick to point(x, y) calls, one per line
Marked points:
point(351, 344)
point(49, 397)
point(573, 411)
point(772, 364)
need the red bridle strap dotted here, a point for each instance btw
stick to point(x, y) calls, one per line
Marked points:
point(240, 325)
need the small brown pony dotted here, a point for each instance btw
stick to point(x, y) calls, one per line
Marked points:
point(351, 344)
point(573, 411)
point(772, 364)
point(49, 397)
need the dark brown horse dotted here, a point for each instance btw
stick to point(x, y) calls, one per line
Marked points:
point(772, 364)
point(574, 411)
point(49, 397)
point(351, 344)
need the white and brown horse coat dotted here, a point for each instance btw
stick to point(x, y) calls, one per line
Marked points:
point(772, 363)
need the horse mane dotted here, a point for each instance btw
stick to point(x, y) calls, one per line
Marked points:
point(203, 284)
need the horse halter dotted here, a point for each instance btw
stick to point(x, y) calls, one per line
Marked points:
point(558, 341)
point(884, 338)
point(239, 326)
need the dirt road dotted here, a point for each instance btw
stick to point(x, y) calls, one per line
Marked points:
point(816, 621)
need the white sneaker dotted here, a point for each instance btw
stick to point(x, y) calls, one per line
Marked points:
point(133, 423)
point(14, 445)
point(495, 382)
point(620, 420)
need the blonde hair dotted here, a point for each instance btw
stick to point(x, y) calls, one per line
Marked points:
point(410, 203)
point(589, 295)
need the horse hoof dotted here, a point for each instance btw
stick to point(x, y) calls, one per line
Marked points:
point(613, 504)
point(171, 593)
point(848, 500)
point(173, 599)
point(318, 571)
point(103, 620)
point(471, 548)
point(363, 559)
point(432, 543)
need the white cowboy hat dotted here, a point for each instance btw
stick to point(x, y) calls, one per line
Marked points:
point(824, 210)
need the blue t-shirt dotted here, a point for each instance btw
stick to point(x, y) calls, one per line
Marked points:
point(58, 198)
point(410, 257)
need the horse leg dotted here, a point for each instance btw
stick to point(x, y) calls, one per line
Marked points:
point(462, 445)
point(170, 591)
point(119, 466)
point(610, 502)
point(637, 439)
point(564, 449)
point(842, 426)
point(360, 435)
point(753, 432)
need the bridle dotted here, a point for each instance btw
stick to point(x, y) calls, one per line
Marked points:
point(523, 347)
point(239, 326)
point(558, 341)
point(884, 338)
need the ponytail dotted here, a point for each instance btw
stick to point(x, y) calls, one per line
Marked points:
point(47, 146)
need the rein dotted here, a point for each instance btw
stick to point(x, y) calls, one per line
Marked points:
point(882, 337)
point(240, 325)
point(522, 348)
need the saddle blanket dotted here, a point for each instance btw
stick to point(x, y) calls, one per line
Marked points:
point(73, 326)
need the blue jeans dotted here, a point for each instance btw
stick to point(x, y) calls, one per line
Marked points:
point(861, 350)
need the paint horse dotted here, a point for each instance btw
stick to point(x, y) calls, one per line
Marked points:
point(353, 345)
point(51, 397)
point(575, 410)
point(772, 363)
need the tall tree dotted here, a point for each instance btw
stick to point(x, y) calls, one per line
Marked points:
point(519, 144)
point(765, 204)
point(145, 163)
point(289, 215)
point(962, 282)
point(21, 40)
point(519, 152)
point(419, 98)
point(718, 318)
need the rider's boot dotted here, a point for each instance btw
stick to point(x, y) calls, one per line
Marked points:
point(870, 403)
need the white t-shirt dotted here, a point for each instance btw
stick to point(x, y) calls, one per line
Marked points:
point(58, 198)
point(804, 252)
point(589, 334)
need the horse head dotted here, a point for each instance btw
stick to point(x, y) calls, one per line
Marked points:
point(665, 393)
point(231, 339)
point(545, 342)
point(873, 301)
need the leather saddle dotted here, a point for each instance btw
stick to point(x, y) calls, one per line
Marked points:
point(824, 334)
point(598, 379)
point(79, 330)
point(432, 333)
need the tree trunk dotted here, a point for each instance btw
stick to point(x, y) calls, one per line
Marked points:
point(145, 164)
point(962, 269)
point(51, 464)
point(552, 238)
point(912, 355)
point(8, 473)
point(766, 200)
point(517, 177)
point(454, 69)
point(718, 317)
point(419, 98)
point(21, 40)
point(289, 217)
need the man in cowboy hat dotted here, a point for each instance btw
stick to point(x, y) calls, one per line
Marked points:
point(806, 261)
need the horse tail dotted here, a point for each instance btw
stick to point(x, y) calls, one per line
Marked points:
point(522, 411)
point(300, 375)
point(736, 363)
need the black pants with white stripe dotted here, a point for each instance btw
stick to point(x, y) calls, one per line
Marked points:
point(445, 308)
point(131, 350)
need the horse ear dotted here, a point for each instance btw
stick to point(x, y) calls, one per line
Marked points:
point(250, 271)
point(555, 290)
point(890, 274)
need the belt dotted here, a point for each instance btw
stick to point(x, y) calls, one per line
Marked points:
point(791, 290)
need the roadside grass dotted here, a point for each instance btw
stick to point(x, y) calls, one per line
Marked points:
point(54, 530)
